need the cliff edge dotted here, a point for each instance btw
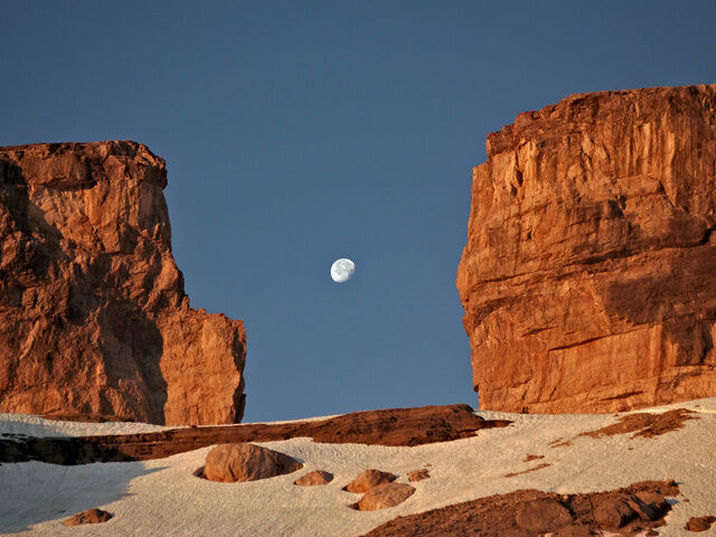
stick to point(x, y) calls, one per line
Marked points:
point(589, 274)
point(93, 315)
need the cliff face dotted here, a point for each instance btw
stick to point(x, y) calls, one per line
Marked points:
point(93, 314)
point(589, 275)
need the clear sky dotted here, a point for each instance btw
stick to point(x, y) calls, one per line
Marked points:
point(297, 132)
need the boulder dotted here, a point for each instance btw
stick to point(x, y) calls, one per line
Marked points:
point(230, 463)
point(542, 515)
point(368, 479)
point(418, 475)
point(613, 512)
point(91, 516)
point(384, 496)
point(317, 477)
point(94, 320)
point(587, 277)
point(702, 523)
point(649, 505)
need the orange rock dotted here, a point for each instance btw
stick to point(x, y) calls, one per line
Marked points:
point(317, 477)
point(418, 475)
point(369, 479)
point(384, 496)
point(91, 516)
point(230, 463)
point(542, 515)
point(588, 274)
point(700, 523)
point(611, 512)
point(575, 531)
point(93, 315)
point(532, 512)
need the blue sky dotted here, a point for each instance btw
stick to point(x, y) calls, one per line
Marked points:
point(297, 132)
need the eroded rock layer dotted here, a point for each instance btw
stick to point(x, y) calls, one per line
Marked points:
point(633, 510)
point(93, 315)
point(589, 274)
point(389, 427)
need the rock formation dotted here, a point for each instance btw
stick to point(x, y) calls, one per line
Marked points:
point(239, 462)
point(589, 274)
point(702, 523)
point(93, 315)
point(389, 427)
point(542, 515)
point(633, 510)
point(369, 479)
point(384, 496)
point(315, 478)
point(91, 516)
point(418, 475)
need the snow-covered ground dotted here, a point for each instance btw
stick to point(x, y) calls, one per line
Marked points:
point(29, 425)
point(162, 497)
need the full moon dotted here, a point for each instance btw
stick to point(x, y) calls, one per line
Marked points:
point(342, 270)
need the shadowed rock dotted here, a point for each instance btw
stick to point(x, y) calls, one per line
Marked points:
point(91, 516)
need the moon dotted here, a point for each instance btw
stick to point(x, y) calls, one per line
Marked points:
point(342, 270)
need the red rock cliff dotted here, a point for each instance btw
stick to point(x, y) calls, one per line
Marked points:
point(93, 314)
point(589, 275)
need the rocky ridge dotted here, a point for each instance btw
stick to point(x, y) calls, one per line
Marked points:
point(588, 274)
point(388, 427)
point(94, 319)
point(633, 510)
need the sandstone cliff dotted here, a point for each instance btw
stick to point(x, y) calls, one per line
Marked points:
point(93, 315)
point(589, 274)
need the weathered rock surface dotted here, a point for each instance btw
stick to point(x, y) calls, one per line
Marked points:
point(702, 523)
point(385, 496)
point(91, 516)
point(418, 475)
point(229, 463)
point(588, 274)
point(645, 424)
point(389, 427)
point(542, 515)
point(369, 479)
point(312, 479)
point(532, 513)
point(613, 512)
point(93, 315)
point(540, 466)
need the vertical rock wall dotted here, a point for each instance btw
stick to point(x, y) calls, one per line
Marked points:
point(589, 274)
point(93, 315)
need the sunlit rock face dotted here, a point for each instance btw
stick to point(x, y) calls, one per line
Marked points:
point(589, 274)
point(93, 315)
